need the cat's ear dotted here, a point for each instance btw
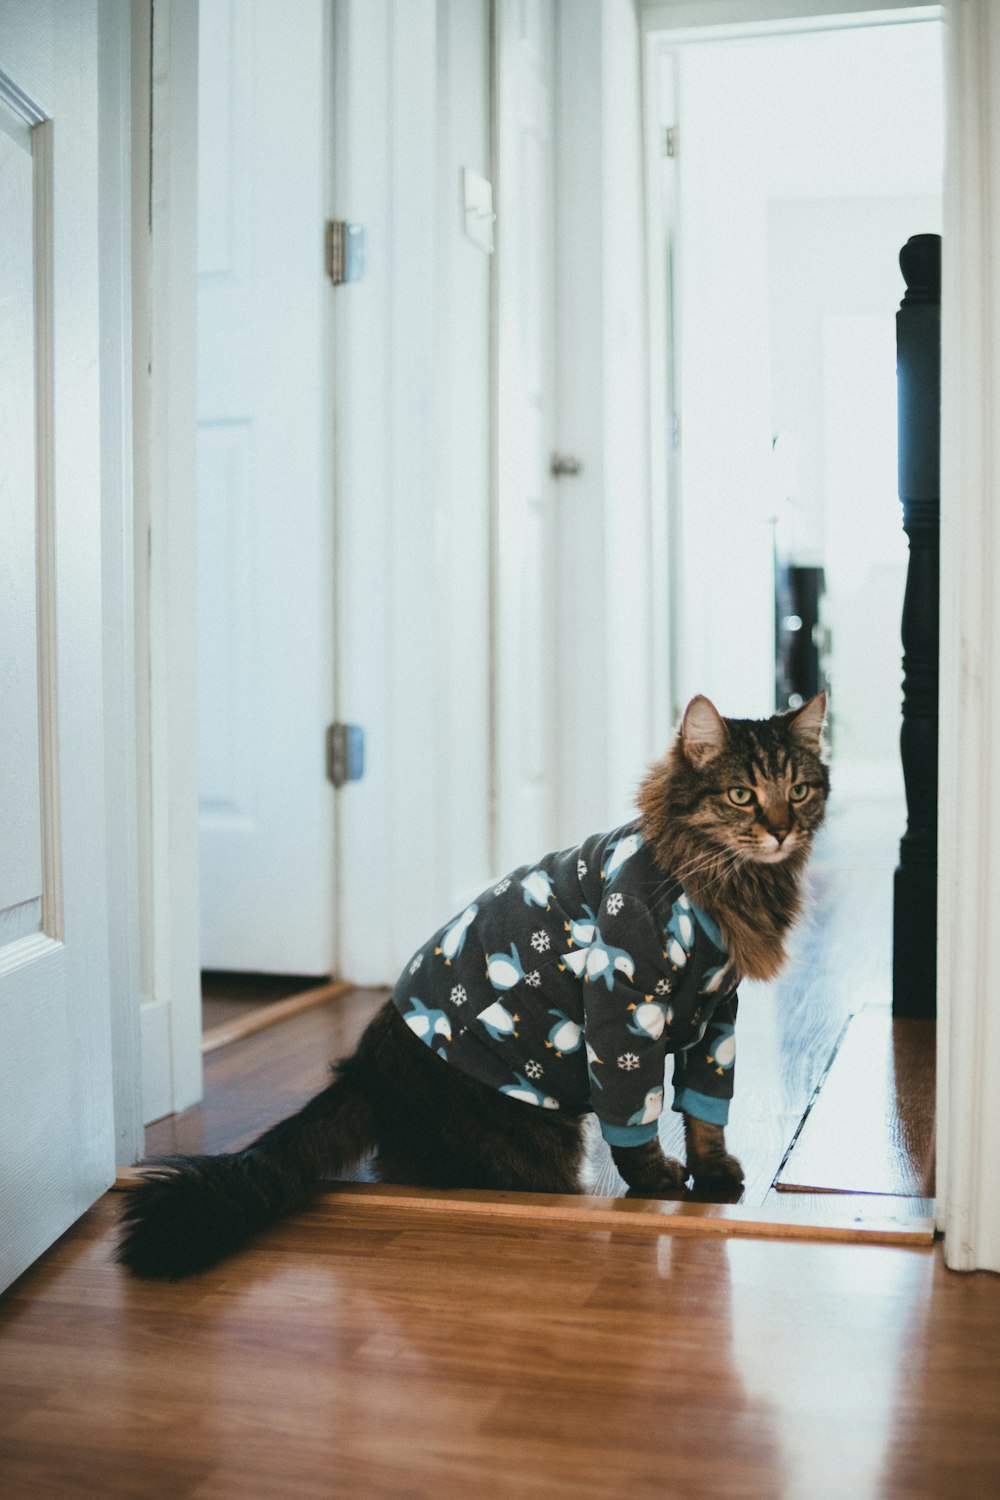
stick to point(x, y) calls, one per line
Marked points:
point(807, 725)
point(703, 731)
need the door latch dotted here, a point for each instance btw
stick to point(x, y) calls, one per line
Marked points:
point(345, 753)
point(345, 251)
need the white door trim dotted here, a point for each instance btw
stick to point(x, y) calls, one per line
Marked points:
point(720, 20)
point(165, 478)
point(968, 1106)
point(115, 271)
point(968, 1030)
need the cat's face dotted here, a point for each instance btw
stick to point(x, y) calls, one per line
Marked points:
point(757, 787)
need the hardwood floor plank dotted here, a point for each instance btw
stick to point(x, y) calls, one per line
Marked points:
point(364, 1354)
point(226, 995)
point(871, 1129)
point(262, 1017)
point(263, 1078)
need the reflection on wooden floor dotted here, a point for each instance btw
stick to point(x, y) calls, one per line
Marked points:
point(831, 1095)
point(871, 1129)
point(367, 1355)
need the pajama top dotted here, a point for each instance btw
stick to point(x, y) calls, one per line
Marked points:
point(566, 985)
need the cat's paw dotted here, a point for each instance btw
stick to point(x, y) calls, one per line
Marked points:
point(667, 1181)
point(722, 1175)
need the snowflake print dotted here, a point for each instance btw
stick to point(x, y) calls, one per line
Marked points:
point(663, 986)
point(416, 963)
point(458, 995)
point(534, 979)
point(615, 904)
point(533, 1069)
point(539, 941)
point(504, 885)
point(581, 869)
point(628, 1061)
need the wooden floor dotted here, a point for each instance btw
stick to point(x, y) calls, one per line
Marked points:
point(345, 1355)
point(229, 997)
point(369, 1350)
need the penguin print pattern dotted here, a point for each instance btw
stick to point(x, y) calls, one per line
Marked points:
point(590, 945)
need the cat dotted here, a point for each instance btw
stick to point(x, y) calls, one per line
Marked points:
point(463, 1079)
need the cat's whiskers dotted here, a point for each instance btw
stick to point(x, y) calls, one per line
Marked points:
point(727, 867)
point(717, 862)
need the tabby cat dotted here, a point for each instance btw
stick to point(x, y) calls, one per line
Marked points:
point(556, 993)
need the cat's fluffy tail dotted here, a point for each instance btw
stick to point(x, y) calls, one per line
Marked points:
point(192, 1211)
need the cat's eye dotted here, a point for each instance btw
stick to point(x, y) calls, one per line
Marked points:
point(800, 791)
point(740, 796)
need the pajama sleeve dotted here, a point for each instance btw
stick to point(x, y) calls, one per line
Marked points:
point(704, 1074)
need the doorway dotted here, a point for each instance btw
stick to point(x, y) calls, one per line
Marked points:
point(411, 653)
point(789, 171)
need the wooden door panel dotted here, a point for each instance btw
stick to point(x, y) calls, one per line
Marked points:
point(264, 490)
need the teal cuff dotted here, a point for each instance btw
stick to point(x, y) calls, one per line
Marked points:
point(628, 1135)
point(702, 1106)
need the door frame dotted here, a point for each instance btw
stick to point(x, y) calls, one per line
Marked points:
point(115, 72)
point(164, 364)
point(968, 1028)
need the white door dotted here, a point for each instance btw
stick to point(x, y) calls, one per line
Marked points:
point(527, 563)
point(264, 488)
point(56, 1130)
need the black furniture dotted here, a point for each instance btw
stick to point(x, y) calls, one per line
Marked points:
point(918, 368)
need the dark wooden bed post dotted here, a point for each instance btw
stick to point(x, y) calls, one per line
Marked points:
point(918, 367)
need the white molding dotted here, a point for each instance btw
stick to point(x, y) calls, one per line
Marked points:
point(718, 20)
point(157, 1085)
point(611, 609)
point(114, 228)
point(18, 952)
point(48, 686)
point(164, 391)
point(660, 194)
point(968, 1110)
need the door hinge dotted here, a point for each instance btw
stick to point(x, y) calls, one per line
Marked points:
point(670, 140)
point(345, 251)
point(345, 753)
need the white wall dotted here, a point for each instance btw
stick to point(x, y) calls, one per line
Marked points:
point(764, 124)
